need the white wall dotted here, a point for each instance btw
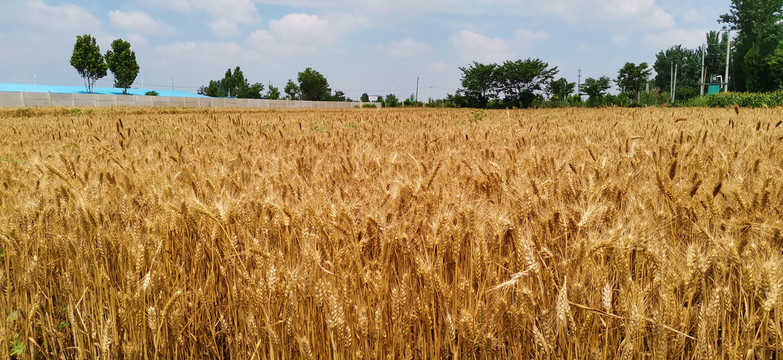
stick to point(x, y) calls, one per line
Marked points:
point(26, 99)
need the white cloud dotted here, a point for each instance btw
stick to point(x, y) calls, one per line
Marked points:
point(304, 33)
point(406, 48)
point(526, 36)
point(61, 17)
point(137, 40)
point(139, 22)
point(636, 14)
point(687, 38)
point(693, 16)
point(438, 67)
point(210, 52)
point(174, 5)
point(477, 47)
point(620, 39)
point(224, 27)
point(227, 15)
point(238, 11)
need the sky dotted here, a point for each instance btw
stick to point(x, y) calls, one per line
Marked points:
point(360, 46)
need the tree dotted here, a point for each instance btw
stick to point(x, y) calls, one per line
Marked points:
point(520, 80)
point(313, 86)
point(338, 96)
point(274, 92)
point(291, 90)
point(88, 61)
point(688, 71)
point(596, 89)
point(759, 38)
point(391, 101)
point(233, 84)
point(560, 89)
point(365, 98)
point(631, 78)
point(121, 60)
point(479, 85)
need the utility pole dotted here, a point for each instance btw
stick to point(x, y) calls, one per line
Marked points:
point(728, 60)
point(417, 91)
point(703, 70)
point(579, 83)
point(671, 81)
point(172, 82)
point(674, 85)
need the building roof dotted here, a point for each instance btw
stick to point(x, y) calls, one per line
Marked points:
point(59, 89)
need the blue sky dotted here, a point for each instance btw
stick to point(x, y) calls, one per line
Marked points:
point(373, 46)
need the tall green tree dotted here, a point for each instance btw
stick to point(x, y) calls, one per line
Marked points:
point(274, 92)
point(365, 98)
point(520, 80)
point(122, 63)
point(88, 61)
point(391, 101)
point(631, 78)
point(479, 84)
point(560, 89)
point(596, 89)
point(758, 41)
point(688, 63)
point(313, 85)
point(291, 90)
point(233, 84)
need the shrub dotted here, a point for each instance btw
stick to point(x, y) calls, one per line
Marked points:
point(151, 93)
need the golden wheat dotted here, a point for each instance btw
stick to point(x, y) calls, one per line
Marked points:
point(185, 233)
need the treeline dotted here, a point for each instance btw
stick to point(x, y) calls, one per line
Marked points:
point(310, 85)
point(756, 66)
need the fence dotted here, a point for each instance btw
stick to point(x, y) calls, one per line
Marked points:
point(28, 99)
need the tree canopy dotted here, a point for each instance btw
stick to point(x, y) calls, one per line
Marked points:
point(121, 60)
point(631, 78)
point(291, 90)
point(233, 84)
point(88, 61)
point(595, 89)
point(313, 85)
point(758, 43)
point(479, 84)
point(560, 89)
point(688, 63)
point(520, 82)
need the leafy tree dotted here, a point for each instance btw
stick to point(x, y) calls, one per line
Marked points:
point(688, 71)
point(560, 89)
point(631, 78)
point(520, 80)
point(338, 96)
point(391, 101)
point(88, 61)
point(121, 60)
point(291, 90)
point(313, 85)
point(274, 92)
point(596, 89)
point(479, 84)
point(758, 41)
point(233, 85)
point(365, 98)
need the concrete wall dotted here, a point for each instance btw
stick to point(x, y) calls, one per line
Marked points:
point(25, 99)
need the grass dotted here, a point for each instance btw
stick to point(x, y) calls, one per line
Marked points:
point(563, 233)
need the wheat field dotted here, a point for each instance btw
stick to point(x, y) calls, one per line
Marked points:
point(397, 234)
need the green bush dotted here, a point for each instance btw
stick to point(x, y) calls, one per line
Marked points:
point(750, 100)
point(151, 93)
